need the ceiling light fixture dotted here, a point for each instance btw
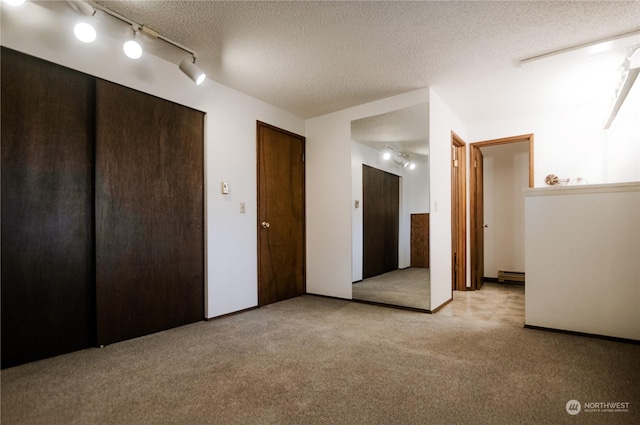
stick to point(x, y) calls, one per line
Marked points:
point(191, 70)
point(84, 32)
point(398, 157)
point(131, 47)
point(591, 47)
point(629, 71)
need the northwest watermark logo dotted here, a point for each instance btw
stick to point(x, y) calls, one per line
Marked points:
point(573, 407)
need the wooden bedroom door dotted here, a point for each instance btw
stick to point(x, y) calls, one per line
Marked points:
point(477, 196)
point(281, 214)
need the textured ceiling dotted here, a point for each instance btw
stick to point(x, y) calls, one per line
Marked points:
point(311, 58)
point(406, 130)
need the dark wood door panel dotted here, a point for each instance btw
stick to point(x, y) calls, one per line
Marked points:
point(420, 240)
point(280, 204)
point(381, 204)
point(392, 221)
point(149, 214)
point(48, 296)
point(373, 216)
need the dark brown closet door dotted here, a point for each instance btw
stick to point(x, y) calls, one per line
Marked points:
point(391, 203)
point(381, 215)
point(48, 297)
point(149, 214)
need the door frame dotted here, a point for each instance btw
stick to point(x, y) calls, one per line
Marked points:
point(472, 191)
point(459, 216)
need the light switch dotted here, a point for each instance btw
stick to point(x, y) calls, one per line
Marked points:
point(357, 204)
point(242, 208)
point(224, 187)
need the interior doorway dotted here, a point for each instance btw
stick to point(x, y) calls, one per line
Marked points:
point(281, 215)
point(458, 213)
point(476, 189)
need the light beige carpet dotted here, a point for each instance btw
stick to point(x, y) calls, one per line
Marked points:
point(407, 288)
point(314, 360)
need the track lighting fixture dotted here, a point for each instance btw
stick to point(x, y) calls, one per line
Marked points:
point(131, 47)
point(629, 71)
point(191, 70)
point(398, 157)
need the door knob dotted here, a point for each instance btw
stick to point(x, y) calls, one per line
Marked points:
point(265, 225)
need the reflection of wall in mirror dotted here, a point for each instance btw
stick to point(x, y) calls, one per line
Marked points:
point(414, 195)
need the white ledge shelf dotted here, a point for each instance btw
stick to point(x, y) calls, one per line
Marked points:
point(583, 189)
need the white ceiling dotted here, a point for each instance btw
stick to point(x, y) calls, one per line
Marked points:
point(312, 58)
point(406, 130)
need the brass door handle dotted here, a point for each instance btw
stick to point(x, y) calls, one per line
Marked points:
point(265, 225)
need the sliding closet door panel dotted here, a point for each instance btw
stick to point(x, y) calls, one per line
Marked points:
point(149, 214)
point(48, 296)
point(381, 206)
point(373, 215)
point(392, 221)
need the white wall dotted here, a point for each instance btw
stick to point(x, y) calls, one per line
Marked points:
point(506, 174)
point(572, 143)
point(566, 143)
point(582, 252)
point(230, 140)
point(414, 198)
point(329, 193)
point(442, 120)
point(622, 141)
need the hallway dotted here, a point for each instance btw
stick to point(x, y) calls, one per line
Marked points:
point(498, 302)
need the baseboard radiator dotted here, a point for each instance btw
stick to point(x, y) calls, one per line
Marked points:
point(510, 276)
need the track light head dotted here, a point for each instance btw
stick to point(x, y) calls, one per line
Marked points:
point(131, 47)
point(84, 32)
point(191, 70)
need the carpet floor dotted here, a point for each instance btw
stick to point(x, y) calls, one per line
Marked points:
point(315, 360)
point(496, 302)
point(406, 288)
